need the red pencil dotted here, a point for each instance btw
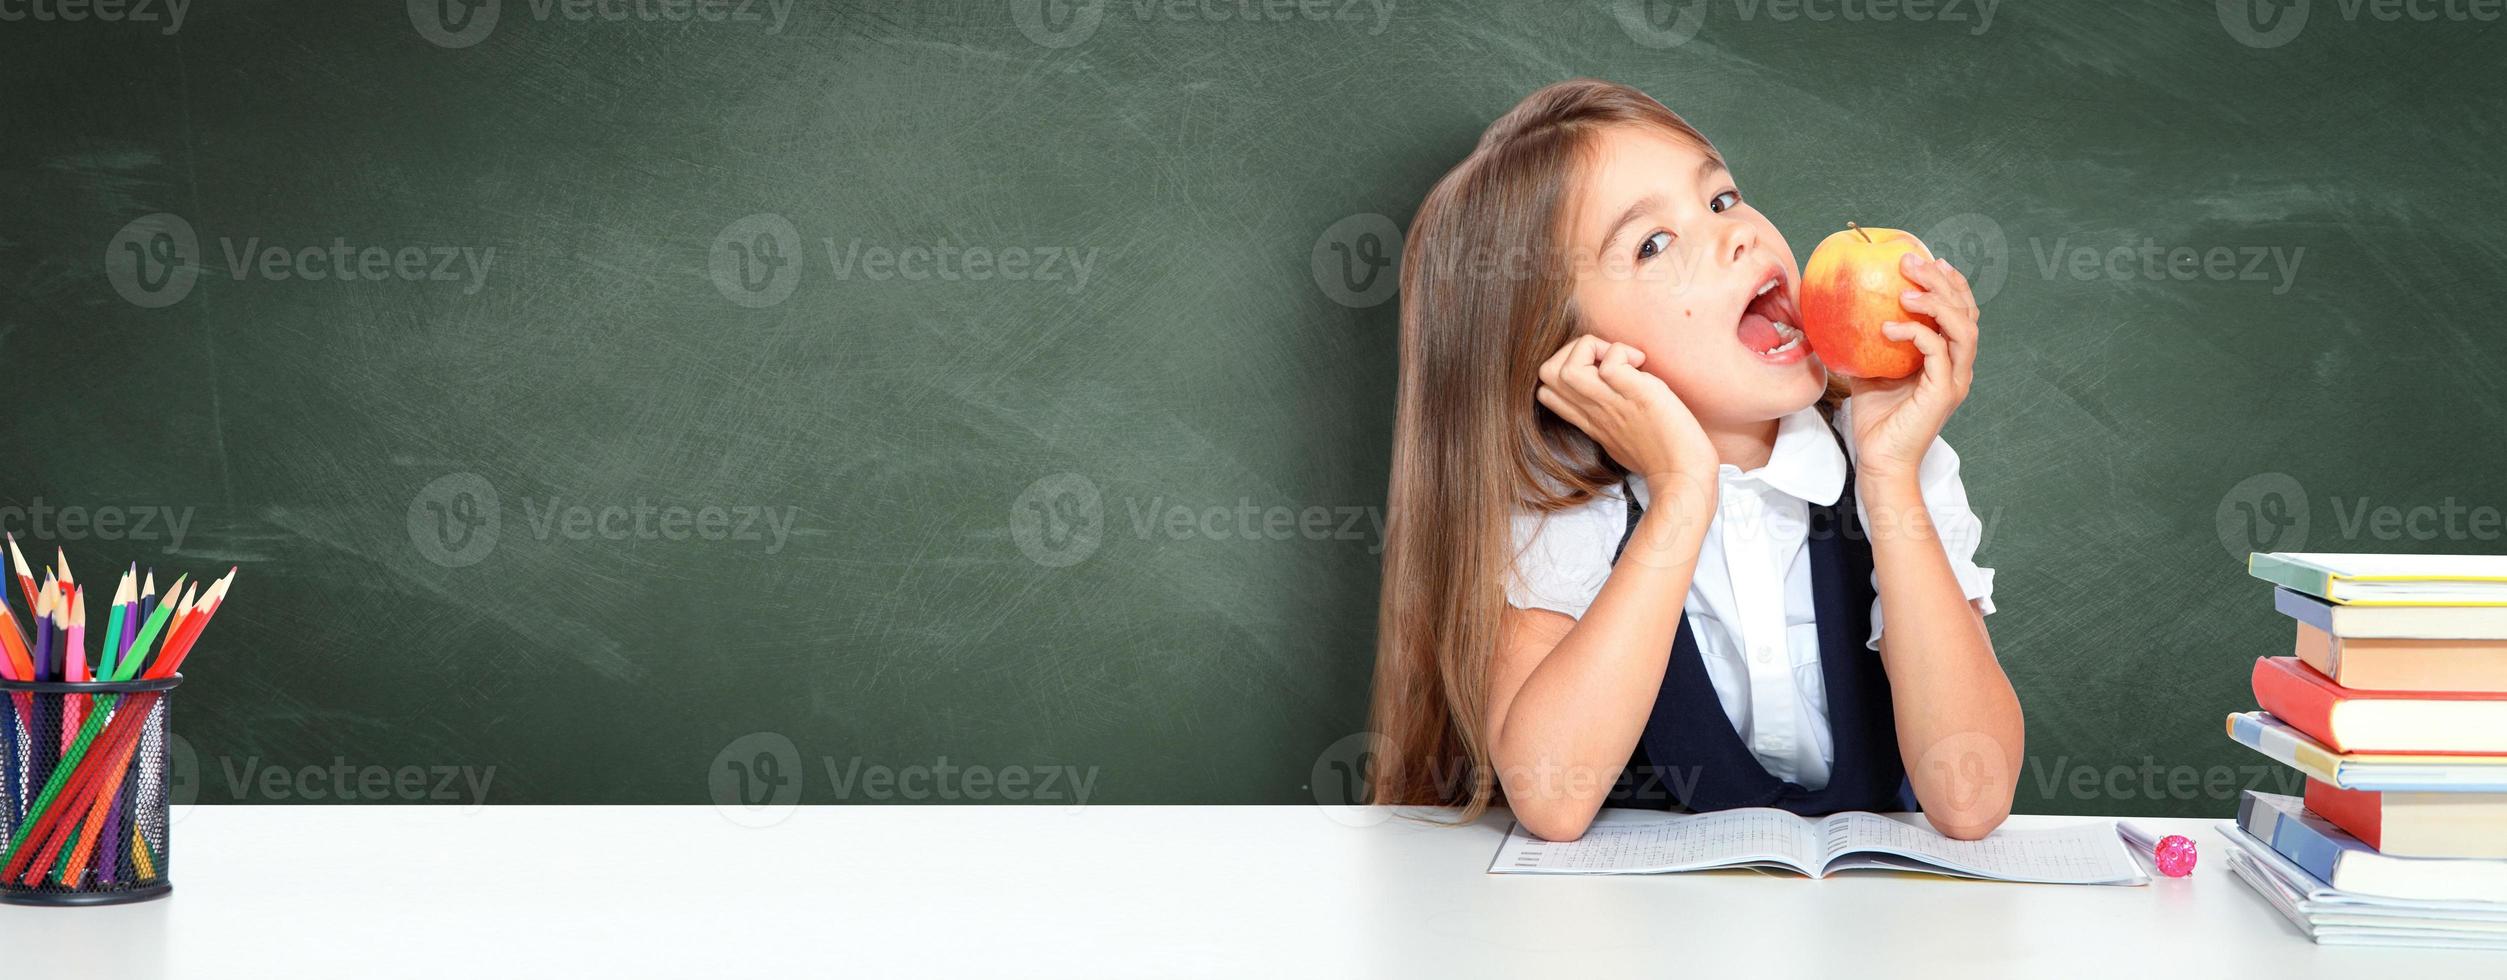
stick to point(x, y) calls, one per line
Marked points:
point(180, 646)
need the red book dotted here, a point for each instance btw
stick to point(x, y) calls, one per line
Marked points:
point(2433, 825)
point(2431, 722)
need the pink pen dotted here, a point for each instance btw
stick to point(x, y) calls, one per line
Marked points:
point(2173, 854)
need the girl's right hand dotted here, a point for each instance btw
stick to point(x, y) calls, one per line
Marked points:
point(1596, 386)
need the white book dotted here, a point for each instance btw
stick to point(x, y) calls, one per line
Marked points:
point(1654, 842)
point(2333, 917)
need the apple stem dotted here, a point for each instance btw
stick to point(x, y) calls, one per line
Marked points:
point(1858, 229)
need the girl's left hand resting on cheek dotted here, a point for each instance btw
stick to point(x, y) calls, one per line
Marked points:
point(1895, 420)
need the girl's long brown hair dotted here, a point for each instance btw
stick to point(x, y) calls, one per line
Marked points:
point(1485, 290)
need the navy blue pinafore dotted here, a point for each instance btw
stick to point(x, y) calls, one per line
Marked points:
point(1690, 757)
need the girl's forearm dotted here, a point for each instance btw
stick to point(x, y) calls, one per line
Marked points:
point(1561, 741)
point(1959, 725)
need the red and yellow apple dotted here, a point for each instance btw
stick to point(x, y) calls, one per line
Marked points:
point(1849, 288)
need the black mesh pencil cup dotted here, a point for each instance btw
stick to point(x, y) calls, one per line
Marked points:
point(85, 773)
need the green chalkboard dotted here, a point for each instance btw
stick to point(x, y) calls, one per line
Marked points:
point(771, 400)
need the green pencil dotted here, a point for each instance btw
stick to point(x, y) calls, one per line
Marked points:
point(147, 634)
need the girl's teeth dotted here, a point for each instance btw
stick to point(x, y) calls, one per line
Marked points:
point(1792, 338)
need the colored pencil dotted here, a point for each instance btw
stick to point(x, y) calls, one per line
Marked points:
point(113, 636)
point(149, 600)
point(129, 667)
point(45, 823)
point(25, 579)
point(36, 813)
point(43, 633)
point(141, 606)
point(74, 664)
point(186, 609)
point(180, 646)
point(16, 661)
point(75, 827)
point(77, 624)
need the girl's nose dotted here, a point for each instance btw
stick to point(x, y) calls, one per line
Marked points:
point(1738, 239)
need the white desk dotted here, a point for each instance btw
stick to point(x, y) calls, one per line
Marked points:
point(681, 892)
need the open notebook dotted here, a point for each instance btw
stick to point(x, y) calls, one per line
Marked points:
point(1653, 842)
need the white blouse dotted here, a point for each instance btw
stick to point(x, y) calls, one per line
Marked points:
point(1749, 601)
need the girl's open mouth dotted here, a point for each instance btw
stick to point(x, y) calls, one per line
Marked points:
point(1767, 324)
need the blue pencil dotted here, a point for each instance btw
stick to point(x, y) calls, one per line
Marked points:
point(43, 633)
point(147, 607)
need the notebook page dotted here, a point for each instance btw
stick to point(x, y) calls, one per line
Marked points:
point(1643, 841)
point(2086, 854)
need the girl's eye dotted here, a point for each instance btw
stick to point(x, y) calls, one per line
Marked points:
point(1654, 244)
point(1725, 201)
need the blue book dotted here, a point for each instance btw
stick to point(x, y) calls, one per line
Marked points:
point(2345, 863)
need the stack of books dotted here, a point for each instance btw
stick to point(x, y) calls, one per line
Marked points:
point(2394, 705)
